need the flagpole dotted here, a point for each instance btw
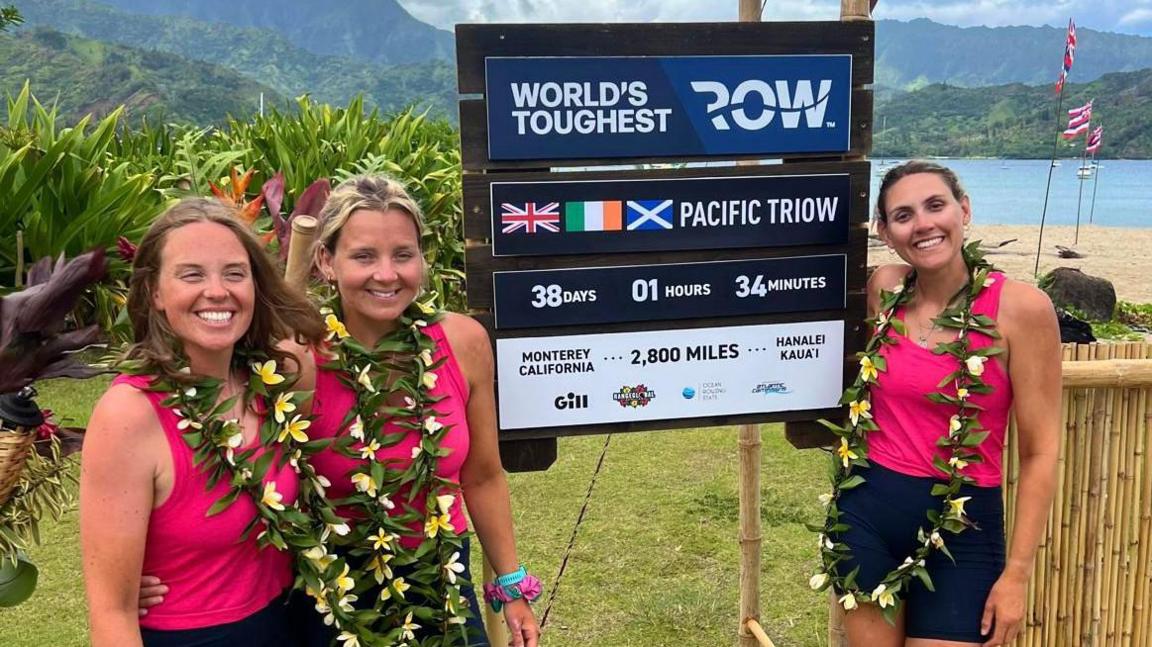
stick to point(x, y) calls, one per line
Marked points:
point(1048, 187)
point(1080, 195)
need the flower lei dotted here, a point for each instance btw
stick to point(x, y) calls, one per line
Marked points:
point(963, 436)
point(399, 369)
point(216, 442)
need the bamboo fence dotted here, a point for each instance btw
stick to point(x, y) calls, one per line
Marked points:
point(1090, 586)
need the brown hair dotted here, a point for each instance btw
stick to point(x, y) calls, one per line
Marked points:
point(279, 313)
point(912, 167)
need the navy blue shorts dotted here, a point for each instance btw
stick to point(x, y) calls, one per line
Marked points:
point(268, 627)
point(310, 630)
point(884, 514)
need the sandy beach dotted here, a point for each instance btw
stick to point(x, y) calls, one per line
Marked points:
point(1120, 254)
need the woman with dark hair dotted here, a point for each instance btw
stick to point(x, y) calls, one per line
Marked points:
point(914, 542)
point(184, 469)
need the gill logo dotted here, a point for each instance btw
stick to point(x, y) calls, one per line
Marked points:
point(789, 103)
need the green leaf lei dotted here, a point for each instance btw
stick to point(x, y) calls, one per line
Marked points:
point(392, 381)
point(963, 436)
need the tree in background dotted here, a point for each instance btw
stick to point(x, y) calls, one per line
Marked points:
point(9, 16)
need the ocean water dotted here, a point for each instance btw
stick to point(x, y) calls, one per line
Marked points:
point(1011, 192)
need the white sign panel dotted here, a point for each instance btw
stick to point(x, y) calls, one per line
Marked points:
point(669, 374)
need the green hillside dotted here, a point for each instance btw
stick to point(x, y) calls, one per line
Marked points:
point(260, 54)
point(89, 76)
point(1014, 120)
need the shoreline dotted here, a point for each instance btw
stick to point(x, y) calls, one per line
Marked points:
point(1122, 255)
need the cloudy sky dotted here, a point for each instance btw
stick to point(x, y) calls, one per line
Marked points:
point(1128, 16)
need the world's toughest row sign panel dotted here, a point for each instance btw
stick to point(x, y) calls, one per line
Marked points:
point(663, 106)
point(668, 374)
point(595, 295)
point(599, 216)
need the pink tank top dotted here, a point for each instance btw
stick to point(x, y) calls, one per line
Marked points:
point(213, 576)
point(910, 424)
point(334, 400)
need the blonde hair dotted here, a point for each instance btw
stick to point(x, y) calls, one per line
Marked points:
point(279, 312)
point(365, 192)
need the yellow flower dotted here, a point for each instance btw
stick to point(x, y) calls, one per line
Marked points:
point(349, 639)
point(295, 429)
point(453, 567)
point(408, 628)
point(336, 328)
point(382, 540)
point(319, 556)
point(846, 454)
point(284, 405)
point(883, 596)
point(976, 365)
point(430, 380)
point(848, 601)
point(436, 523)
point(398, 585)
point(818, 581)
point(368, 452)
point(267, 372)
point(271, 497)
point(858, 409)
point(379, 567)
point(364, 483)
point(958, 462)
point(365, 380)
point(957, 504)
point(954, 425)
point(426, 308)
point(868, 370)
point(343, 582)
point(962, 393)
point(426, 357)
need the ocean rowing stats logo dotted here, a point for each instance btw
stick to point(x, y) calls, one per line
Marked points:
point(587, 215)
point(790, 102)
point(634, 396)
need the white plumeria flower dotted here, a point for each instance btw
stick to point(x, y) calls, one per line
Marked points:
point(384, 501)
point(271, 497)
point(958, 462)
point(408, 628)
point(426, 357)
point(957, 504)
point(364, 379)
point(936, 540)
point(962, 393)
point(364, 483)
point(190, 391)
point(954, 425)
point(848, 601)
point(883, 596)
point(345, 603)
point(344, 581)
point(429, 380)
point(186, 422)
point(453, 567)
point(444, 502)
point(432, 425)
point(349, 639)
point(825, 542)
point(817, 581)
point(416, 451)
point(323, 480)
point(975, 365)
point(356, 429)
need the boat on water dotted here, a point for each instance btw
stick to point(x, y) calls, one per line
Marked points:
point(1084, 172)
point(1055, 163)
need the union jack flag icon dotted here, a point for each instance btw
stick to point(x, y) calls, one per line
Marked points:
point(530, 217)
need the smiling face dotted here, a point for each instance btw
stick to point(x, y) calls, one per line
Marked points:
point(378, 268)
point(925, 221)
point(204, 288)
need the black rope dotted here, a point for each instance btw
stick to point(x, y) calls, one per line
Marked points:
point(575, 530)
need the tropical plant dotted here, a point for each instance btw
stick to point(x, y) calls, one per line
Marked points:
point(9, 16)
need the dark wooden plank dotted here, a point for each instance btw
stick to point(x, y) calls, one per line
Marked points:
point(809, 434)
point(528, 455)
point(475, 42)
point(477, 203)
point(474, 142)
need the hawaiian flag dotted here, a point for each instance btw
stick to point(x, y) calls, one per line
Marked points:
point(1078, 121)
point(1069, 55)
point(1093, 143)
point(530, 217)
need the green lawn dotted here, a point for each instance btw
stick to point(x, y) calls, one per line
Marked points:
point(656, 561)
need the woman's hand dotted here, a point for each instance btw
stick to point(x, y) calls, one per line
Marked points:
point(523, 630)
point(152, 592)
point(1004, 610)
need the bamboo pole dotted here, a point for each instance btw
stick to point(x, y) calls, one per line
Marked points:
point(1107, 373)
point(299, 252)
point(750, 533)
point(493, 622)
point(762, 638)
point(19, 280)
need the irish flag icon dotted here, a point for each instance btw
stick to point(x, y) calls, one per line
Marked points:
point(593, 216)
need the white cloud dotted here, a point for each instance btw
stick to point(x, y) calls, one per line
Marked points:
point(1133, 16)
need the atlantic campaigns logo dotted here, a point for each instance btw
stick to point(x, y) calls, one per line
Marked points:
point(634, 396)
point(789, 101)
point(771, 388)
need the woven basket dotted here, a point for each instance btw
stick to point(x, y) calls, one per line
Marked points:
point(14, 447)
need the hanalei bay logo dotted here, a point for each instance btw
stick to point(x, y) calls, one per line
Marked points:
point(771, 388)
point(634, 396)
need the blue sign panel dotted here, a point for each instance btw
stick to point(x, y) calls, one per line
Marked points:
point(645, 215)
point(612, 107)
point(595, 295)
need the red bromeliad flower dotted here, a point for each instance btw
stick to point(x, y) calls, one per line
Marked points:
point(125, 249)
point(49, 429)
